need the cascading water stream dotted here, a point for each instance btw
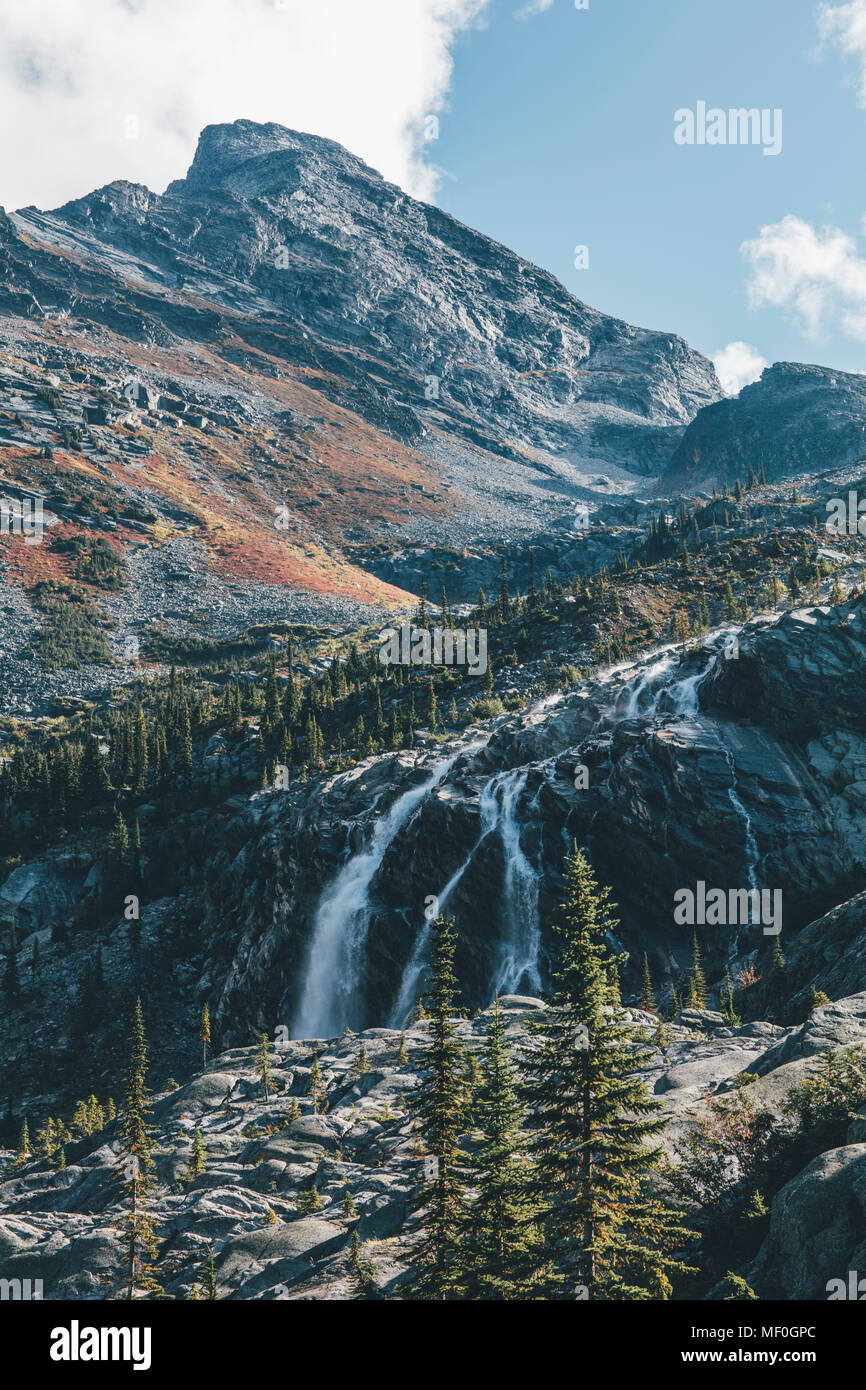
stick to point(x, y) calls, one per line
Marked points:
point(519, 947)
point(330, 998)
point(329, 1001)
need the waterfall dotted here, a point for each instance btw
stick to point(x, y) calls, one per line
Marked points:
point(522, 940)
point(519, 946)
point(331, 993)
point(330, 997)
point(734, 798)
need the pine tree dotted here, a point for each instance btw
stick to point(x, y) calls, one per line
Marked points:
point(204, 1032)
point(500, 1231)
point(196, 1164)
point(361, 1063)
point(139, 1236)
point(696, 988)
point(605, 1235)
point(350, 1211)
point(402, 1053)
point(263, 1064)
point(647, 999)
point(439, 1106)
point(318, 1090)
point(778, 982)
point(363, 1272)
point(726, 1002)
point(207, 1289)
point(309, 1202)
point(22, 1153)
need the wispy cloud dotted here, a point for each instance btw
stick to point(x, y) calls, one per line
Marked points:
point(737, 365)
point(816, 275)
point(121, 88)
point(845, 27)
point(533, 8)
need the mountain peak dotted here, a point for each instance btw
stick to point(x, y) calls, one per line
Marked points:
point(224, 148)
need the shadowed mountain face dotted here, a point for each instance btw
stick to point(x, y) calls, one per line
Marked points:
point(796, 420)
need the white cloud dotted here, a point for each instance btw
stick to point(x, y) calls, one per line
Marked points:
point(737, 365)
point(815, 274)
point(73, 75)
point(845, 26)
point(533, 8)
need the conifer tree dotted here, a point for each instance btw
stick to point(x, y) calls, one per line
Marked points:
point(439, 1107)
point(318, 1089)
point(139, 1236)
point(196, 1164)
point(309, 1201)
point(361, 1063)
point(696, 989)
point(363, 1272)
point(22, 1153)
point(726, 1001)
point(204, 1032)
point(604, 1234)
point(263, 1064)
point(778, 978)
point(500, 1230)
point(402, 1053)
point(647, 999)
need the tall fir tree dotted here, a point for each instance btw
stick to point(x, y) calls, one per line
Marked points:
point(204, 1032)
point(605, 1235)
point(696, 987)
point(500, 1230)
point(139, 1235)
point(647, 998)
point(439, 1107)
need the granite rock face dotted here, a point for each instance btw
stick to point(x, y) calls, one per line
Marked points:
point(796, 419)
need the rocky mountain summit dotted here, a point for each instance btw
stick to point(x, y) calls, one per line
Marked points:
point(465, 337)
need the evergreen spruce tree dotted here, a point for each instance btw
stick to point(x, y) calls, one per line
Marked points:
point(726, 1001)
point(647, 999)
point(696, 989)
point(500, 1230)
point(263, 1064)
point(196, 1164)
point(604, 1234)
point(439, 1106)
point(361, 1063)
point(778, 983)
point(208, 1276)
point(318, 1089)
point(363, 1272)
point(139, 1237)
point(204, 1032)
point(22, 1154)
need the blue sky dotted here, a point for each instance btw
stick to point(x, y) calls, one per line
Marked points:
point(559, 131)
